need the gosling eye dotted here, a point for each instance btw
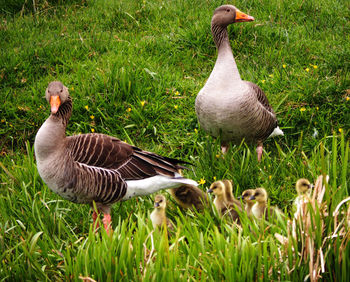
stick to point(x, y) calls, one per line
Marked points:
point(160, 201)
point(257, 194)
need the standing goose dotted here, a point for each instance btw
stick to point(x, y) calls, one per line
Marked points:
point(96, 168)
point(228, 106)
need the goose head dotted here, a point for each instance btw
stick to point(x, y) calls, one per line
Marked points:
point(246, 196)
point(228, 14)
point(56, 94)
point(260, 195)
point(302, 186)
point(159, 202)
point(218, 189)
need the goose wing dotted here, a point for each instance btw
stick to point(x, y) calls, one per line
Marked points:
point(103, 151)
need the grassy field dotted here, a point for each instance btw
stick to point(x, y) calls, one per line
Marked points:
point(133, 69)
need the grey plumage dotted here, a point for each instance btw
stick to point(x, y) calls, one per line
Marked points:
point(97, 168)
point(228, 106)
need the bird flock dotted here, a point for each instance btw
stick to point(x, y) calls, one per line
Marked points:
point(100, 170)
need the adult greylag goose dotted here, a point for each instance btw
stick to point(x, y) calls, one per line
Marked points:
point(303, 188)
point(158, 216)
point(189, 197)
point(228, 106)
point(248, 203)
point(97, 168)
point(260, 209)
point(224, 201)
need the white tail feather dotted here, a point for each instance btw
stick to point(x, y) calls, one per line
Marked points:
point(277, 131)
point(153, 184)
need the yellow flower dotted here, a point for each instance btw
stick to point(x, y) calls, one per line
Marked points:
point(317, 108)
point(302, 109)
point(340, 130)
point(307, 69)
point(347, 98)
point(202, 181)
point(92, 130)
point(176, 107)
point(263, 81)
point(2, 120)
point(284, 66)
point(128, 109)
point(314, 66)
point(270, 75)
point(92, 116)
point(270, 176)
point(196, 130)
point(72, 88)
point(143, 103)
point(217, 156)
point(177, 93)
point(87, 107)
point(214, 177)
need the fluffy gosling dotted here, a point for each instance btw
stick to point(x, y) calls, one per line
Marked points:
point(224, 201)
point(303, 188)
point(260, 208)
point(189, 197)
point(158, 216)
point(248, 203)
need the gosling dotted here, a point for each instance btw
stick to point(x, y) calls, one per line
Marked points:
point(189, 197)
point(260, 208)
point(158, 216)
point(248, 203)
point(303, 188)
point(224, 201)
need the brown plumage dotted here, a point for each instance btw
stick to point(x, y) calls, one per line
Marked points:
point(97, 168)
point(189, 197)
point(228, 106)
point(224, 201)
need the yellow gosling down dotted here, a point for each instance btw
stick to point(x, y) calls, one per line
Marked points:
point(248, 203)
point(224, 201)
point(189, 197)
point(303, 188)
point(158, 216)
point(260, 208)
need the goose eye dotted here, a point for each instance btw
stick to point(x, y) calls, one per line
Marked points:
point(228, 10)
point(61, 90)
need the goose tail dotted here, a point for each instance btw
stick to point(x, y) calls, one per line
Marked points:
point(277, 131)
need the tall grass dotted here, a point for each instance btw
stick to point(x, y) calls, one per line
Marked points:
point(133, 69)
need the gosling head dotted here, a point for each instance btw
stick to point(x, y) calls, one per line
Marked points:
point(56, 94)
point(217, 188)
point(260, 195)
point(159, 202)
point(246, 196)
point(228, 14)
point(302, 186)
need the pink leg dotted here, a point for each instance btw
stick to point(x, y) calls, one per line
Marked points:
point(224, 147)
point(94, 218)
point(107, 222)
point(259, 151)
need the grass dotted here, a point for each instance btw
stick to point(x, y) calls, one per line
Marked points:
point(133, 70)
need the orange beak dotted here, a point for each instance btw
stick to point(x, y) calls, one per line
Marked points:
point(55, 103)
point(242, 17)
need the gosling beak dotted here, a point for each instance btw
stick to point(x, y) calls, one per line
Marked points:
point(242, 17)
point(311, 186)
point(55, 103)
point(239, 197)
point(156, 205)
point(252, 197)
point(210, 191)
